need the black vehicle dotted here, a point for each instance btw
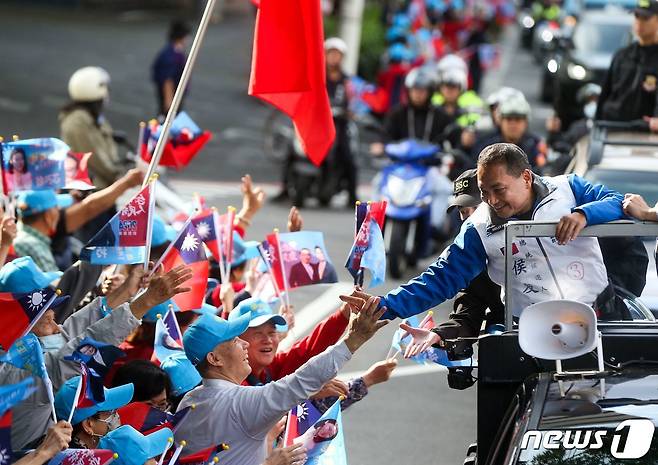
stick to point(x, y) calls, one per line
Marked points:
point(585, 56)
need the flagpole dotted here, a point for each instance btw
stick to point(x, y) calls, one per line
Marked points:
point(177, 452)
point(219, 237)
point(286, 288)
point(170, 441)
point(51, 394)
point(149, 221)
point(173, 316)
point(229, 241)
point(180, 90)
point(269, 270)
point(75, 399)
point(112, 459)
point(140, 139)
point(57, 293)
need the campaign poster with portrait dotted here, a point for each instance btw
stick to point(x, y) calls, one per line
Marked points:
point(33, 164)
point(300, 258)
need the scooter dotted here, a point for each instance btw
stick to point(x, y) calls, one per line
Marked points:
point(409, 184)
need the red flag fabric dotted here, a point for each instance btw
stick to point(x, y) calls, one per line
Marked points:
point(21, 311)
point(77, 173)
point(378, 212)
point(187, 250)
point(288, 70)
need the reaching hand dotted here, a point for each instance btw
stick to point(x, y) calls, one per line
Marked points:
point(134, 177)
point(295, 220)
point(365, 324)
point(292, 455)
point(227, 297)
point(252, 276)
point(162, 288)
point(422, 339)
point(112, 283)
point(379, 372)
point(353, 302)
point(287, 313)
point(9, 231)
point(276, 431)
point(569, 227)
point(333, 388)
point(252, 198)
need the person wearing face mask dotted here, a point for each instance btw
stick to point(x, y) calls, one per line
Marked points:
point(91, 423)
point(39, 215)
point(109, 320)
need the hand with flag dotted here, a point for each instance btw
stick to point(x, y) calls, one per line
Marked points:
point(57, 439)
point(168, 338)
point(162, 287)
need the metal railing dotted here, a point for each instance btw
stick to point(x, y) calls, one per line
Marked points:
point(519, 229)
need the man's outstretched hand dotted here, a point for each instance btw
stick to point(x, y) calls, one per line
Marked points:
point(422, 339)
point(365, 323)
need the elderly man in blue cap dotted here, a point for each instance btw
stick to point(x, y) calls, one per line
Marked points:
point(109, 320)
point(39, 215)
point(240, 415)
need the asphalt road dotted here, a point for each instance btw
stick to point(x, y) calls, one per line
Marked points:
point(414, 418)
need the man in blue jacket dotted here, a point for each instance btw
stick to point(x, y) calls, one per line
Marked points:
point(562, 267)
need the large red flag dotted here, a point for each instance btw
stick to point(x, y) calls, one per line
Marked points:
point(288, 70)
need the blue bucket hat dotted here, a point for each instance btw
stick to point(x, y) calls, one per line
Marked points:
point(33, 202)
point(208, 331)
point(161, 232)
point(133, 447)
point(114, 398)
point(260, 313)
point(184, 377)
point(23, 275)
point(243, 250)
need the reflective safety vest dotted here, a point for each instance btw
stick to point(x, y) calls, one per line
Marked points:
point(470, 104)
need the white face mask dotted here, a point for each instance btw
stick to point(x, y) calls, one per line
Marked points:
point(52, 343)
point(590, 110)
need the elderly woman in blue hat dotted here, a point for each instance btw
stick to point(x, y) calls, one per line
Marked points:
point(92, 423)
point(105, 320)
point(240, 415)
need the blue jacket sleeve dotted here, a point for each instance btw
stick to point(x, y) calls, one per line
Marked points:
point(597, 202)
point(462, 261)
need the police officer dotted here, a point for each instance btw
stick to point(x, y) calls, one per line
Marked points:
point(629, 90)
point(514, 114)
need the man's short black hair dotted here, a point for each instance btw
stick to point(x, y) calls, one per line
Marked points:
point(178, 30)
point(509, 155)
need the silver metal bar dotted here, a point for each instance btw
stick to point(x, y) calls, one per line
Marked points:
point(516, 229)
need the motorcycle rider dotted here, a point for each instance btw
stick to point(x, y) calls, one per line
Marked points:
point(514, 115)
point(453, 95)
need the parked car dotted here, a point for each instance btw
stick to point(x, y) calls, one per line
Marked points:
point(585, 56)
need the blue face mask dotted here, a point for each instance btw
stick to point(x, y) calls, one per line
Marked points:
point(52, 343)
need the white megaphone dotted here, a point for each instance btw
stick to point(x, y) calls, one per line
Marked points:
point(557, 329)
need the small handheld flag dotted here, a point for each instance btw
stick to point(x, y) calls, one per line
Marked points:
point(168, 338)
point(147, 419)
point(33, 164)
point(83, 457)
point(22, 311)
point(12, 394)
point(123, 239)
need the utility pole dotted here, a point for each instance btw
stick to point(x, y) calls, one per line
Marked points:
point(351, 19)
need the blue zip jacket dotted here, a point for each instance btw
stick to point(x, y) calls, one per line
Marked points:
point(466, 258)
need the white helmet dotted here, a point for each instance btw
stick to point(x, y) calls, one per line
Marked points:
point(503, 94)
point(420, 78)
point(514, 106)
point(89, 84)
point(450, 62)
point(335, 43)
point(455, 77)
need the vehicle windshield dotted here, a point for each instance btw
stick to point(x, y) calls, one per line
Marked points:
point(600, 38)
point(633, 181)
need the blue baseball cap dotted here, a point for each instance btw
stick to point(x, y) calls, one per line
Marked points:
point(260, 312)
point(243, 250)
point(152, 315)
point(208, 331)
point(206, 309)
point(133, 447)
point(161, 232)
point(33, 202)
point(114, 398)
point(23, 275)
point(184, 377)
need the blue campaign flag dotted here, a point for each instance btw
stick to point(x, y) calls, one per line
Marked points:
point(98, 358)
point(324, 440)
point(12, 394)
point(374, 257)
point(33, 164)
point(26, 353)
point(168, 340)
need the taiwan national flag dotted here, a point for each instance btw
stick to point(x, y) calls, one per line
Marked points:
point(20, 312)
point(123, 239)
point(186, 139)
point(147, 419)
point(207, 224)
point(202, 457)
point(168, 338)
point(187, 249)
point(96, 359)
point(6, 456)
point(300, 419)
point(323, 439)
point(83, 457)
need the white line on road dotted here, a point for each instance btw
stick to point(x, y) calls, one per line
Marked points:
point(399, 372)
point(14, 105)
point(311, 314)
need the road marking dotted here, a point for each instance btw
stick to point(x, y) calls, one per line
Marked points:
point(317, 310)
point(400, 372)
point(14, 105)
